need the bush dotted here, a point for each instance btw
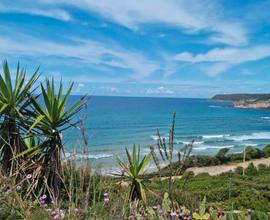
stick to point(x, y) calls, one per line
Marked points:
point(253, 153)
point(251, 170)
point(239, 170)
point(188, 174)
point(235, 157)
point(221, 155)
point(201, 161)
point(266, 150)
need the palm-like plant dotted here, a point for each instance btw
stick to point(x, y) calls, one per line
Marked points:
point(53, 119)
point(14, 101)
point(134, 171)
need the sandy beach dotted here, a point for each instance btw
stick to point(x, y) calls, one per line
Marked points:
point(216, 170)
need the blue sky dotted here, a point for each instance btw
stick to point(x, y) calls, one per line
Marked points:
point(188, 48)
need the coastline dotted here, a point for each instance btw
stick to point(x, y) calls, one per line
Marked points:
point(223, 168)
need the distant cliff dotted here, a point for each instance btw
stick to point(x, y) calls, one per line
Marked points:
point(255, 101)
point(240, 97)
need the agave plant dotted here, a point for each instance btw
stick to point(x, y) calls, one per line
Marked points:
point(14, 101)
point(53, 118)
point(133, 173)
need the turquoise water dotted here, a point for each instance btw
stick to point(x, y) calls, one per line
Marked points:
point(114, 123)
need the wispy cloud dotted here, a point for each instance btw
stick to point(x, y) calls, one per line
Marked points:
point(34, 9)
point(161, 90)
point(190, 15)
point(222, 59)
point(89, 52)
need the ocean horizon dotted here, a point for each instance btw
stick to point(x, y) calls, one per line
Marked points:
point(114, 123)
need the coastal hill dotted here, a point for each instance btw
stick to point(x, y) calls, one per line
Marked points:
point(255, 101)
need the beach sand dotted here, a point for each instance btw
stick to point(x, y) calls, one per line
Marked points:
point(216, 170)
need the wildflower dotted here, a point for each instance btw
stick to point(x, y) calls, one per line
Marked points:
point(220, 213)
point(106, 200)
point(160, 211)
point(29, 176)
point(4, 178)
point(18, 187)
point(76, 210)
point(173, 214)
point(43, 197)
point(56, 216)
point(106, 194)
point(42, 202)
point(154, 207)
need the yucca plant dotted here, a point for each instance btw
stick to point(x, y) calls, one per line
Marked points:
point(133, 173)
point(53, 118)
point(14, 102)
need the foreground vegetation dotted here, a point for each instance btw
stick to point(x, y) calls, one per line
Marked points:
point(36, 183)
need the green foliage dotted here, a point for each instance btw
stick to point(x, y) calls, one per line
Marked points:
point(251, 170)
point(266, 150)
point(14, 105)
point(221, 155)
point(133, 173)
point(201, 214)
point(253, 153)
point(239, 170)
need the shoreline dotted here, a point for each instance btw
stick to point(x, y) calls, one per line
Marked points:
point(223, 168)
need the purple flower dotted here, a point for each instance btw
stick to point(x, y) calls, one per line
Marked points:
point(160, 212)
point(172, 214)
point(42, 202)
point(56, 216)
point(43, 197)
point(220, 213)
point(29, 176)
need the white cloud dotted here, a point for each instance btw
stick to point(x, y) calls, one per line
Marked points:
point(55, 13)
point(158, 91)
point(80, 86)
point(190, 15)
point(230, 55)
point(87, 51)
point(222, 59)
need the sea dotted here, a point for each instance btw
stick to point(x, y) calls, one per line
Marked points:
point(112, 124)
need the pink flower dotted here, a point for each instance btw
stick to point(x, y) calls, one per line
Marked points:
point(43, 197)
point(29, 176)
point(106, 200)
point(220, 213)
point(56, 217)
point(173, 214)
point(106, 194)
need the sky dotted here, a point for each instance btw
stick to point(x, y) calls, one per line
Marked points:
point(160, 48)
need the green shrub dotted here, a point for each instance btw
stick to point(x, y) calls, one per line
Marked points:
point(253, 153)
point(239, 170)
point(251, 170)
point(235, 157)
point(266, 150)
point(221, 155)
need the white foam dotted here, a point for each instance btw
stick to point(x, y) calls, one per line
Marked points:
point(266, 118)
point(214, 106)
point(155, 137)
point(253, 136)
point(89, 156)
point(212, 147)
point(215, 136)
